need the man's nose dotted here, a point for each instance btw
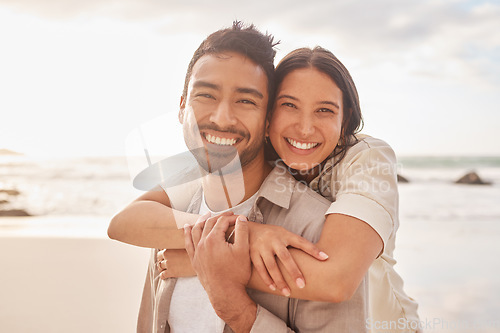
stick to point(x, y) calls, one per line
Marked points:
point(223, 115)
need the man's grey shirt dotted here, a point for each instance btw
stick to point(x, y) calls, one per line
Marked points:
point(285, 202)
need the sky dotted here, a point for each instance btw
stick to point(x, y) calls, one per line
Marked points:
point(104, 77)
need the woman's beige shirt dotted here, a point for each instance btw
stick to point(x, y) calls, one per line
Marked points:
point(364, 185)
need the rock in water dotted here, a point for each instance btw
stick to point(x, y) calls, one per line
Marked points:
point(10, 192)
point(14, 212)
point(402, 179)
point(471, 178)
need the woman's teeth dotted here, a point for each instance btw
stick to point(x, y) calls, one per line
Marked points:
point(300, 145)
point(220, 141)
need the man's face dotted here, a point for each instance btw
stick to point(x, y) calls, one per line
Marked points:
point(225, 110)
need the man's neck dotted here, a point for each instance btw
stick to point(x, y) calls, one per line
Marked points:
point(224, 191)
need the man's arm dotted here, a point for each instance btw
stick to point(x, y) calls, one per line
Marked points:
point(149, 221)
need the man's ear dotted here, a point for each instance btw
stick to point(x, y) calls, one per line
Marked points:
point(182, 106)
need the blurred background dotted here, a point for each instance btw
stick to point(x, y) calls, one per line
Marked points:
point(78, 80)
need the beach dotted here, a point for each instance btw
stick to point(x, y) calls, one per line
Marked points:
point(61, 273)
point(59, 279)
point(450, 267)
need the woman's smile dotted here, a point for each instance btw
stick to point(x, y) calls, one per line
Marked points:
point(302, 147)
point(307, 120)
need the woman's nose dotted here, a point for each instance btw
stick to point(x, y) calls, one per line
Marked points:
point(305, 126)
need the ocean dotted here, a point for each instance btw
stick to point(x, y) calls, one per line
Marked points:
point(447, 243)
point(102, 185)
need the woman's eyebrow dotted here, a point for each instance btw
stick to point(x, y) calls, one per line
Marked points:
point(287, 96)
point(330, 103)
point(321, 102)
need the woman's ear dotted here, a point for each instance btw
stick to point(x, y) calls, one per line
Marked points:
point(182, 106)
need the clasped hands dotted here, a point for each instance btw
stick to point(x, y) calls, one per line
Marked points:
point(266, 246)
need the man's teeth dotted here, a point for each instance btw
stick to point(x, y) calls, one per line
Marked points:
point(220, 141)
point(301, 145)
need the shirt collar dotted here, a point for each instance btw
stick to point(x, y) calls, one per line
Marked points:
point(278, 187)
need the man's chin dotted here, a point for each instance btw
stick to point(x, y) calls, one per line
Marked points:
point(218, 159)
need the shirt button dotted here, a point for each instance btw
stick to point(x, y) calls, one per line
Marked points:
point(162, 326)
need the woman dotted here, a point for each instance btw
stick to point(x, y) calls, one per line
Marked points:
point(313, 131)
point(316, 138)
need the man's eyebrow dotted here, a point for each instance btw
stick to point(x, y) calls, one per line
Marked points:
point(205, 84)
point(321, 102)
point(250, 91)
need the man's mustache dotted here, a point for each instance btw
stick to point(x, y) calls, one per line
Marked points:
point(232, 129)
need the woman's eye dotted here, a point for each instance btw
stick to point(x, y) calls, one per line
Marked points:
point(326, 110)
point(290, 105)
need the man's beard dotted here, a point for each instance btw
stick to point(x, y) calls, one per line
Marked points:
point(223, 159)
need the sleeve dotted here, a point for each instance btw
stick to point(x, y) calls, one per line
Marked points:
point(267, 322)
point(145, 318)
point(367, 187)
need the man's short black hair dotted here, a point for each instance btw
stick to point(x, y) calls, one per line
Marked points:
point(246, 40)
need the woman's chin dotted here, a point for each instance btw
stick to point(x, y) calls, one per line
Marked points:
point(304, 168)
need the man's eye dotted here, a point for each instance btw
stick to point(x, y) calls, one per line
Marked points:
point(205, 96)
point(247, 101)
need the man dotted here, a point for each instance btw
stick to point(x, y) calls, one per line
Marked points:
point(223, 113)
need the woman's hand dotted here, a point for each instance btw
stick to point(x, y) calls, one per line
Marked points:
point(268, 242)
point(174, 263)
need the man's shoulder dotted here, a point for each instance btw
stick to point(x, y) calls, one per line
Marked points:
point(281, 188)
point(292, 205)
point(304, 194)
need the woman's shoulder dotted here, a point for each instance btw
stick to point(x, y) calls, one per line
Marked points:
point(370, 147)
point(365, 141)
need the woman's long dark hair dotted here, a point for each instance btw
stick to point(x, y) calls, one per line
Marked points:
point(324, 61)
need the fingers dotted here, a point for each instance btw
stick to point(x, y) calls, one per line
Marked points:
point(203, 217)
point(211, 222)
point(262, 271)
point(303, 244)
point(276, 276)
point(160, 255)
point(241, 233)
point(291, 267)
point(161, 265)
point(188, 241)
point(197, 231)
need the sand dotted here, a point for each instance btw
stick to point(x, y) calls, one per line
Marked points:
point(64, 275)
point(67, 281)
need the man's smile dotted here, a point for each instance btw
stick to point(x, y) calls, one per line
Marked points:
point(221, 138)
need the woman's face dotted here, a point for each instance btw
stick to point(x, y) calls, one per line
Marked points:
point(307, 121)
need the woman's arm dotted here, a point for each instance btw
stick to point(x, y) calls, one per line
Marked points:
point(149, 221)
point(352, 246)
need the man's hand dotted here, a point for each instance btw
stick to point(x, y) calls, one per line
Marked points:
point(213, 258)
